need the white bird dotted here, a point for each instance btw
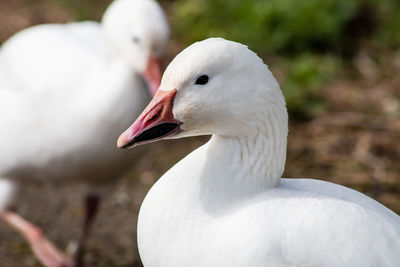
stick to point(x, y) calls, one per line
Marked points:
point(66, 91)
point(225, 204)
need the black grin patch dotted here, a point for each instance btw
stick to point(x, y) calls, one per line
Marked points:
point(153, 133)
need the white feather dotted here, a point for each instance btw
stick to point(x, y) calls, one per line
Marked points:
point(66, 91)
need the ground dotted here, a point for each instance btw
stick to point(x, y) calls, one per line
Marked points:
point(355, 143)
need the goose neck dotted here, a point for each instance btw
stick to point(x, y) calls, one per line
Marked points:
point(260, 157)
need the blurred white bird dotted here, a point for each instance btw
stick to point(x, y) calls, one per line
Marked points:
point(225, 204)
point(66, 91)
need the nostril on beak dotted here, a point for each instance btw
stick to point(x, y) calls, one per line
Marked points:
point(153, 117)
point(154, 114)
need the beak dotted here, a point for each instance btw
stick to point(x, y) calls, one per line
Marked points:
point(155, 123)
point(152, 74)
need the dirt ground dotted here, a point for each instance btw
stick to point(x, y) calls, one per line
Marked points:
point(355, 143)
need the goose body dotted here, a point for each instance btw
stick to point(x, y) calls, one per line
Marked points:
point(300, 222)
point(54, 103)
point(225, 204)
point(66, 91)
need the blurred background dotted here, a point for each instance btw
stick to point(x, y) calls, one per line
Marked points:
point(337, 62)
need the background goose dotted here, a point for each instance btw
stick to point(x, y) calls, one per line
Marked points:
point(225, 204)
point(65, 93)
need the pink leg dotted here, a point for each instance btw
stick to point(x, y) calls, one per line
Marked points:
point(43, 249)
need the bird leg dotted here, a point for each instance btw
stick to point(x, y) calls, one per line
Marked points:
point(44, 250)
point(91, 208)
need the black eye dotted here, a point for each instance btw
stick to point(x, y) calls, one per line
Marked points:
point(203, 79)
point(136, 40)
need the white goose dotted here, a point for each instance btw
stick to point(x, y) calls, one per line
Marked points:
point(225, 204)
point(65, 93)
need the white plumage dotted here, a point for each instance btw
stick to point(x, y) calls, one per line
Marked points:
point(66, 91)
point(225, 203)
point(63, 105)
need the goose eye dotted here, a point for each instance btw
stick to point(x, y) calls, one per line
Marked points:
point(203, 79)
point(136, 40)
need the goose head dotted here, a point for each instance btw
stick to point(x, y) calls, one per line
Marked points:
point(138, 31)
point(213, 87)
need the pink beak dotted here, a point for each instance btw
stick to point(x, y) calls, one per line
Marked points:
point(152, 74)
point(155, 123)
